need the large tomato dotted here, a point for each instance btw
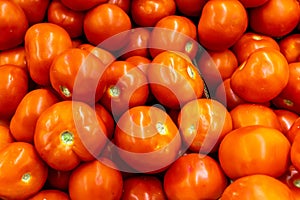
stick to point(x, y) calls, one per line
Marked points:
point(290, 47)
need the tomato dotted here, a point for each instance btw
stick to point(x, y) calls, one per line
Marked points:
point(76, 42)
point(79, 5)
point(5, 136)
point(175, 33)
point(250, 42)
point(253, 3)
point(294, 130)
point(194, 176)
point(141, 62)
point(70, 20)
point(13, 87)
point(254, 150)
point(35, 10)
point(107, 118)
point(261, 77)
point(257, 187)
point(127, 86)
point(191, 8)
point(13, 25)
point(286, 119)
point(43, 42)
point(295, 152)
point(143, 188)
point(174, 80)
point(147, 138)
point(262, 18)
point(289, 47)
point(77, 74)
point(148, 12)
point(50, 195)
point(284, 103)
point(217, 19)
point(23, 122)
point(15, 56)
point(69, 130)
point(124, 4)
point(292, 179)
point(203, 124)
point(95, 180)
point(248, 114)
point(23, 173)
point(113, 20)
point(58, 179)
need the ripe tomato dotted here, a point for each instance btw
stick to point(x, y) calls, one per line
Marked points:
point(13, 87)
point(292, 179)
point(286, 119)
point(23, 173)
point(250, 42)
point(191, 8)
point(253, 3)
point(149, 12)
point(295, 152)
point(147, 138)
point(124, 4)
point(50, 194)
point(43, 42)
point(254, 150)
point(203, 124)
point(5, 136)
point(15, 56)
point(262, 18)
point(107, 118)
point(194, 176)
point(261, 77)
point(58, 179)
point(174, 80)
point(257, 187)
point(110, 18)
point(143, 187)
point(23, 122)
point(79, 5)
point(95, 180)
point(217, 19)
point(70, 20)
point(289, 47)
point(13, 24)
point(127, 86)
point(141, 62)
point(294, 130)
point(69, 130)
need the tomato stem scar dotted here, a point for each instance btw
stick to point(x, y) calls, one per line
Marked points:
point(162, 130)
point(65, 91)
point(26, 177)
point(114, 91)
point(67, 137)
point(188, 47)
point(297, 183)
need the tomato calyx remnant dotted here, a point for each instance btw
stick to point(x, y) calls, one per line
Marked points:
point(26, 177)
point(162, 130)
point(65, 91)
point(114, 91)
point(296, 183)
point(288, 102)
point(67, 138)
point(188, 47)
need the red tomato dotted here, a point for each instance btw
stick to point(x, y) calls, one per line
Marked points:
point(13, 24)
point(69, 130)
point(219, 28)
point(262, 18)
point(79, 5)
point(107, 118)
point(295, 152)
point(23, 173)
point(191, 8)
point(141, 62)
point(13, 87)
point(294, 130)
point(290, 47)
point(15, 56)
point(254, 150)
point(58, 179)
point(194, 176)
point(50, 195)
point(292, 180)
point(43, 42)
point(95, 180)
point(257, 187)
point(286, 119)
point(5, 136)
point(149, 12)
point(124, 4)
point(253, 3)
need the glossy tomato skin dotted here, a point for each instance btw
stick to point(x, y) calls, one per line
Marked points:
point(286, 119)
point(43, 42)
point(21, 168)
point(13, 25)
point(124, 4)
point(253, 3)
point(191, 8)
point(294, 130)
point(268, 72)
point(257, 187)
point(14, 56)
point(13, 87)
point(107, 118)
point(79, 5)
point(58, 179)
point(50, 194)
point(291, 178)
point(262, 18)
point(141, 62)
point(289, 47)
point(254, 144)
point(218, 19)
point(194, 176)
point(69, 130)
point(5, 136)
point(85, 184)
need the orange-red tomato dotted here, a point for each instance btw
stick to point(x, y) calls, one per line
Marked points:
point(294, 130)
point(13, 87)
point(43, 42)
point(141, 62)
point(262, 18)
point(286, 119)
point(217, 19)
point(23, 173)
point(254, 150)
point(290, 47)
point(95, 180)
point(257, 187)
point(13, 24)
point(253, 3)
point(191, 8)
point(58, 179)
point(50, 194)
point(15, 56)
point(69, 130)
point(261, 77)
point(5, 136)
point(124, 4)
point(295, 152)
point(194, 176)
point(79, 5)
point(107, 118)
point(292, 179)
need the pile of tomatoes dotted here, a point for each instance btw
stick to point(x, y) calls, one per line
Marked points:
point(150, 99)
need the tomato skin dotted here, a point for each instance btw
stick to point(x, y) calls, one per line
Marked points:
point(13, 87)
point(107, 118)
point(15, 56)
point(190, 7)
point(257, 187)
point(50, 194)
point(254, 144)
point(13, 25)
point(43, 42)
point(85, 184)
point(291, 179)
point(217, 19)
point(253, 3)
point(275, 25)
point(141, 62)
point(286, 119)
point(197, 177)
point(58, 179)
point(21, 168)
point(289, 47)
point(294, 130)
point(79, 5)
point(69, 130)
point(5, 136)
point(124, 4)
point(295, 152)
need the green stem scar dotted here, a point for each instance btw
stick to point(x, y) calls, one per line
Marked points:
point(188, 47)
point(114, 91)
point(26, 177)
point(297, 183)
point(288, 102)
point(67, 138)
point(65, 91)
point(161, 129)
